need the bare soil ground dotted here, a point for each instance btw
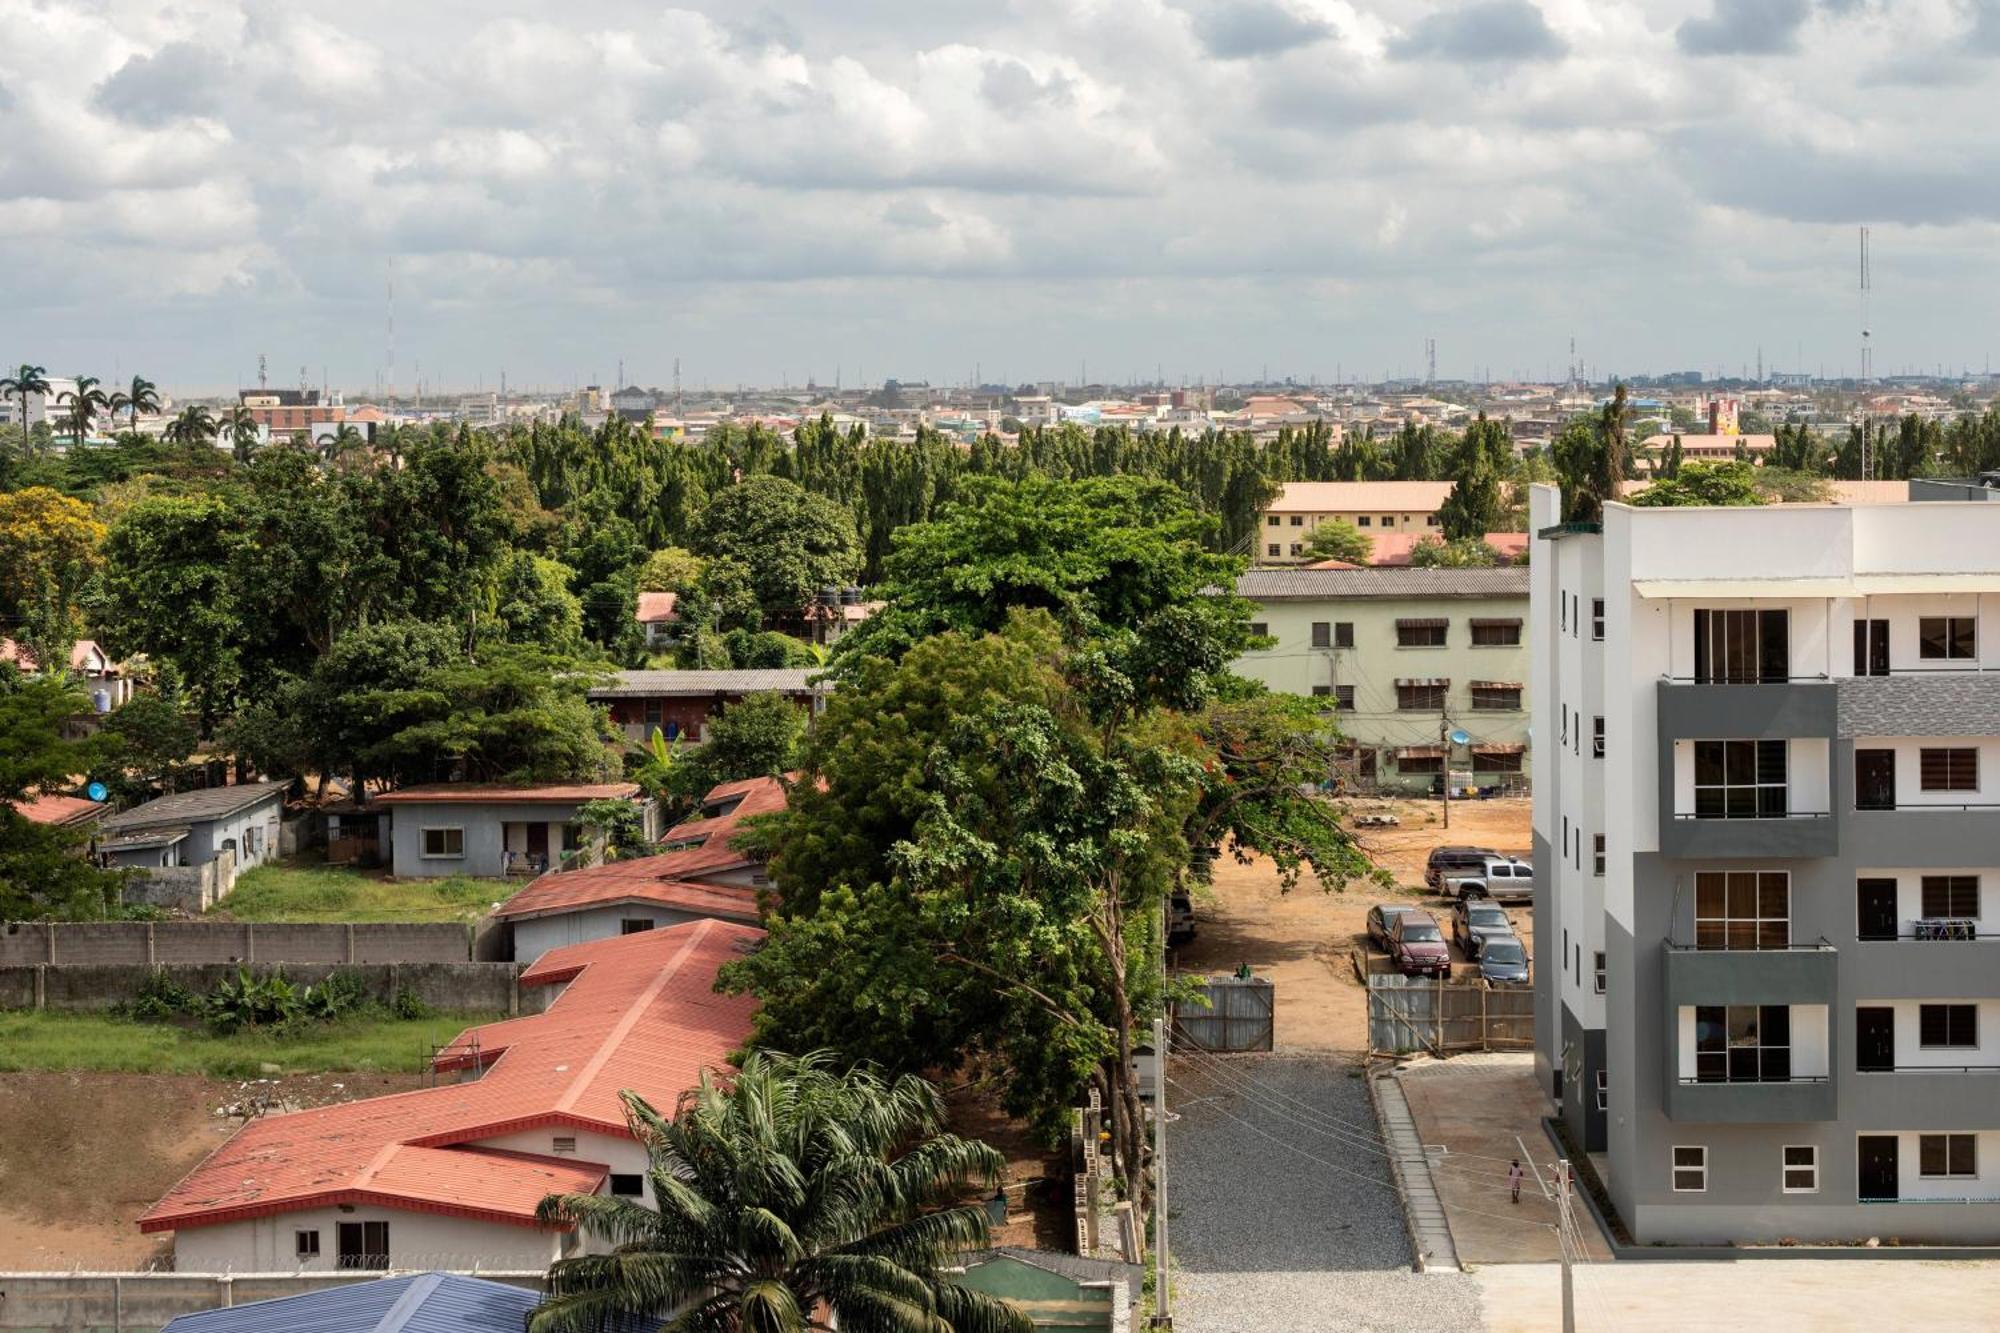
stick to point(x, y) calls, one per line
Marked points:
point(1309, 940)
point(1038, 1199)
point(83, 1154)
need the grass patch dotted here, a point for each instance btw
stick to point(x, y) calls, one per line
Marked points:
point(338, 893)
point(103, 1043)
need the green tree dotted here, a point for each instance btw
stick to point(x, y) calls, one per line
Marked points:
point(194, 424)
point(671, 570)
point(517, 714)
point(757, 736)
point(787, 1194)
point(166, 592)
point(239, 425)
point(1337, 539)
point(1459, 553)
point(792, 542)
point(42, 870)
point(1475, 505)
point(85, 401)
point(534, 604)
point(143, 396)
point(49, 549)
point(23, 384)
point(1698, 483)
point(147, 744)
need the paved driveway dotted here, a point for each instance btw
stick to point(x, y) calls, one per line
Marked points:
point(1283, 1211)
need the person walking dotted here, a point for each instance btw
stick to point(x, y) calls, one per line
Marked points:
point(1514, 1174)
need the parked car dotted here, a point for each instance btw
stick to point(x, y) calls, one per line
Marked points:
point(1475, 921)
point(1503, 959)
point(1454, 863)
point(1501, 878)
point(1180, 918)
point(1417, 946)
point(1382, 922)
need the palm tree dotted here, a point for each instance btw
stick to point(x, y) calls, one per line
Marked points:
point(791, 1198)
point(194, 425)
point(144, 397)
point(23, 383)
point(344, 440)
point(240, 425)
point(85, 401)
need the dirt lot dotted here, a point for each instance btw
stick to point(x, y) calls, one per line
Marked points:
point(82, 1155)
point(1308, 940)
point(1038, 1200)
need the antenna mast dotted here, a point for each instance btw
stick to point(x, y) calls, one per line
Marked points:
point(1867, 351)
point(391, 271)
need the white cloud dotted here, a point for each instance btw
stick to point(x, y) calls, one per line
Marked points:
point(910, 186)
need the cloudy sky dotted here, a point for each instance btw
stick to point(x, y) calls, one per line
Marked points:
point(916, 188)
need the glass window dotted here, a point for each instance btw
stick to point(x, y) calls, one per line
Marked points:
point(1953, 768)
point(1948, 1026)
point(1361, 521)
point(1801, 1169)
point(1420, 763)
point(1272, 549)
point(1509, 762)
point(1298, 520)
point(1597, 618)
point(444, 842)
point(1597, 855)
point(1742, 909)
point(1322, 634)
point(633, 925)
point(1260, 629)
point(1411, 697)
point(1597, 737)
point(1742, 647)
point(1273, 521)
point(1947, 638)
point(1343, 634)
point(1298, 549)
point(1950, 896)
point(1597, 967)
point(1947, 1155)
point(1603, 1090)
point(1743, 1043)
point(1497, 698)
point(1690, 1170)
point(1496, 633)
point(1420, 633)
point(625, 1186)
point(1343, 698)
point(306, 1244)
point(1739, 779)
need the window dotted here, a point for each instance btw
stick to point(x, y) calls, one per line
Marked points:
point(1597, 968)
point(625, 1186)
point(1597, 737)
point(1361, 521)
point(305, 1244)
point(1273, 521)
point(1946, 1155)
point(1801, 1169)
point(1739, 779)
point(1496, 633)
point(444, 842)
point(1946, 638)
point(1948, 897)
point(633, 925)
point(1742, 1043)
point(1260, 629)
point(1742, 909)
point(1272, 549)
point(1597, 855)
point(1420, 763)
point(1421, 695)
point(1298, 520)
point(1948, 1026)
point(1597, 618)
point(1322, 634)
point(1603, 1087)
point(1388, 520)
point(1690, 1170)
point(1343, 634)
point(563, 1143)
point(1742, 647)
point(572, 836)
point(1420, 633)
point(1496, 695)
point(1297, 548)
point(1342, 695)
point(1952, 769)
point(1496, 761)
point(363, 1244)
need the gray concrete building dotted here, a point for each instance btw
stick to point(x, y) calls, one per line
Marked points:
point(1767, 830)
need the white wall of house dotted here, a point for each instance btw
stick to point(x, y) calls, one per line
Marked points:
point(1910, 898)
point(416, 1240)
point(535, 936)
point(1913, 1184)
point(1909, 768)
point(490, 831)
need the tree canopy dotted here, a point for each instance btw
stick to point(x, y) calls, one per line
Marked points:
point(1337, 539)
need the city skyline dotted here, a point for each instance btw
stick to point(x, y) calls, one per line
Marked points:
point(1205, 190)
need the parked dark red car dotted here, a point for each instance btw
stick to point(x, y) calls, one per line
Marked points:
point(1417, 946)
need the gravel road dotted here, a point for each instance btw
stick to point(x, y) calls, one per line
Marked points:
point(1284, 1218)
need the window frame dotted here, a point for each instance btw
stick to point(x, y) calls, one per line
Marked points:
point(1786, 1167)
point(1597, 619)
point(1493, 633)
point(638, 1190)
point(1597, 737)
point(305, 1243)
point(1597, 855)
point(1948, 1014)
point(1764, 798)
point(1322, 634)
point(1343, 634)
point(1598, 971)
point(1956, 771)
point(1949, 642)
point(1260, 629)
point(1418, 636)
point(1422, 698)
point(424, 851)
point(1727, 925)
point(1273, 549)
point(1603, 1089)
point(1496, 699)
point(1699, 1167)
point(1950, 887)
point(1755, 1052)
point(1510, 762)
point(1971, 1142)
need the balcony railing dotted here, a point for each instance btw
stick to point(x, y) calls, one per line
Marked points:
point(1927, 1069)
point(1754, 1082)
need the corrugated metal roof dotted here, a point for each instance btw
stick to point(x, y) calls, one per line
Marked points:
point(418, 1303)
point(193, 807)
point(642, 684)
point(1264, 585)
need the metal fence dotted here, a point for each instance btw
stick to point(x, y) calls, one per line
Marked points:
point(1411, 1014)
point(1239, 1015)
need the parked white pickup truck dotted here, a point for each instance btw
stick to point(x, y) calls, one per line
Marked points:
point(1501, 878)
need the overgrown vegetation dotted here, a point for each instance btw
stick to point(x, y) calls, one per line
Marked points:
point(270, 1001)
point(107, 1043)
point(333, 893)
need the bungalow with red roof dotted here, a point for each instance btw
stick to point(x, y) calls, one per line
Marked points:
point(659, 616)
point(490, 829)
point(108, 683)
point(450, 1176)
point(702, 873)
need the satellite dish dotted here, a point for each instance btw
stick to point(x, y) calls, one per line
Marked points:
point(1460, 738)
point(96, 791)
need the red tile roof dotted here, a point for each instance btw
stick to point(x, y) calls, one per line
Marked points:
point(640, 1012)
point(474, 792)
point(657, 608)
point(753, 796)
point(641, 879)
point(59, 810)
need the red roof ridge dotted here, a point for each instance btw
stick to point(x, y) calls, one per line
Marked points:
point(624, 1026)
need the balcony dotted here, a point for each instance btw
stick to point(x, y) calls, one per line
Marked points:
point(1804, 979)
point(1794, 1103)
point(1792, 711)
point(1795, 834)
point(1802, 974)
point(1796, 708)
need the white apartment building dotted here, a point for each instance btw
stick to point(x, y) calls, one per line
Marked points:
point(1766, 836)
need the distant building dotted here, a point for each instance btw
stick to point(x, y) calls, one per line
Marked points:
point(1407, 657)
point(490, 829)
point(1372, 506)
point(659, 616)
point(193, 828)
point(679, 704)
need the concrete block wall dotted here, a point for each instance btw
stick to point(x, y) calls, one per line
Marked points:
point(28, 943)
point(147, 1302)
point(453, 987)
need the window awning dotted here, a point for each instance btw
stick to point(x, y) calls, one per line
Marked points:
point(1495, 684)
point(1496, 622)
point(1420, 752)
point(1423, 682)
point(1501, 748)
point(1427, 622)
point(1839, 585)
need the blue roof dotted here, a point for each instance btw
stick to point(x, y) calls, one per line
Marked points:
point(419, 1303)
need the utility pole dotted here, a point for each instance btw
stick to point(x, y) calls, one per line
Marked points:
point(1162, 1282)
point(1564, 1238)
point(1444, 744)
